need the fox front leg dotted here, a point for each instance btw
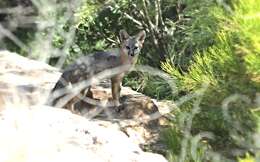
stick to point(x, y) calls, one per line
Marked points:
point(116, 88)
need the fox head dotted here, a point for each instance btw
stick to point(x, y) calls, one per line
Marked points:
point(131, 45)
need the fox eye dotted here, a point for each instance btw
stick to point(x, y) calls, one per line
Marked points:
point(135, 47)
point(127, 47)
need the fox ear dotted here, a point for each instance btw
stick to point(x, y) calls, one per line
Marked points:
point(141, 36)
point(123, 35)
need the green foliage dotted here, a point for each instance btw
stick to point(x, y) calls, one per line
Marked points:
point(7, 20)
point(230, 68)
point(187, 148)
point(195, 29)
point(26, 35)
point(182, 24)
point(178, 27)
point(183, 27)
point(248, 158)
point(190, 29)
point(153, 86)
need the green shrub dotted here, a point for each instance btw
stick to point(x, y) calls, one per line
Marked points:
point(230, 68)
point(182, 24)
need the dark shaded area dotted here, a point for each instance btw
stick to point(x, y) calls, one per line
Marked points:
point(12, 14)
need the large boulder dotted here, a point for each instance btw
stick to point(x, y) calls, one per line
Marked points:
point(26, 83)
point(48, 134)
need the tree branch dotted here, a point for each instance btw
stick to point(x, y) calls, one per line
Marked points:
point(151, 25)
point(133, 19)
point(157, 12)
point(160, 13)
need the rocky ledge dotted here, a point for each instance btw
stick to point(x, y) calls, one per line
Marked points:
point(34, 132)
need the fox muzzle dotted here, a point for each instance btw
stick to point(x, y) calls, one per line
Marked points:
point(131, 53)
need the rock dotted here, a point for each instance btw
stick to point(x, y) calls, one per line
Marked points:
point(24, 81)
point(140, 117)
point(50, 134)
point(27, 83)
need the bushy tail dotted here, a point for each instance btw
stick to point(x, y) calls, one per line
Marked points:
point(71, 75)
point(52, 100)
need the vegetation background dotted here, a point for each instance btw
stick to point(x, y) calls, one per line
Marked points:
point(197, 42)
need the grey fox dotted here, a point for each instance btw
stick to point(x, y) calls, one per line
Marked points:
point(87, 66)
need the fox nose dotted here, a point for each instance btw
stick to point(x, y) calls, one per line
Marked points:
point(131, 53)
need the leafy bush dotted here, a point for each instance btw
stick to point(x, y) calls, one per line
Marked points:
point(227, 68)
point(172, 27)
